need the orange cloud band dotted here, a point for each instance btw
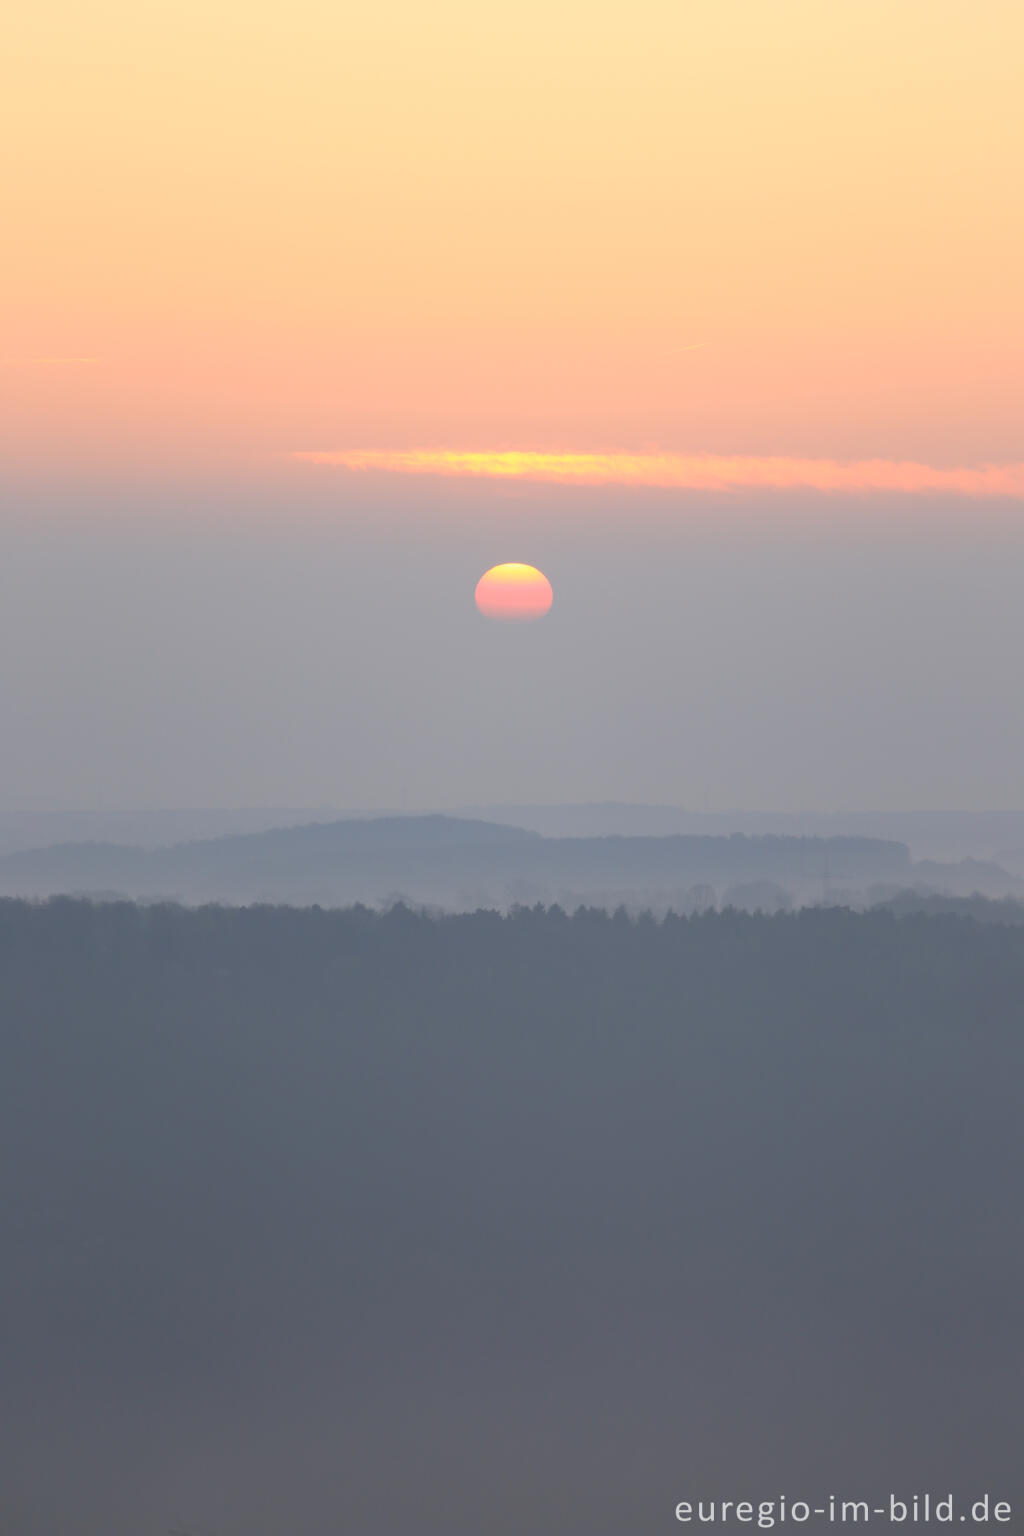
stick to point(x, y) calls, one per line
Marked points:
point(699, 472)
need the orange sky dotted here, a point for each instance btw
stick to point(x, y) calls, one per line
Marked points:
point(746, 227)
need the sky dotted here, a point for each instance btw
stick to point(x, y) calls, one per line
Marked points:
point(310, 314)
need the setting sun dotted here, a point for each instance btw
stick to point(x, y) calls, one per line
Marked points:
point(513, 591)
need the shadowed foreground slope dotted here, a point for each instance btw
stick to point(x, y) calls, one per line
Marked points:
point(321, 1222)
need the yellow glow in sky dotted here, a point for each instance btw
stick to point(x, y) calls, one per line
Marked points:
point(705, 472)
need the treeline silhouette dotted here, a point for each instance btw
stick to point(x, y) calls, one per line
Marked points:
point(340, 1220)
point(1008, 910)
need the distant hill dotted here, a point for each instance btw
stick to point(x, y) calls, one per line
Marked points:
point(154, 828)
point(458, 862)
point(948, 836)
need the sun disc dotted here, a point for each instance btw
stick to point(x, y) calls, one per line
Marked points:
point(513, 591)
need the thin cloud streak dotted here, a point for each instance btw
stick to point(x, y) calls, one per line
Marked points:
point(32, 362)
point(699, 472)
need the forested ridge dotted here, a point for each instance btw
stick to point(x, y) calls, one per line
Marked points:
point(163, 939)
point(322, 1220)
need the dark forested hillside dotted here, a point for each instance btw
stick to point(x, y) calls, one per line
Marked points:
point(1008, 910)
point(329, 1221)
